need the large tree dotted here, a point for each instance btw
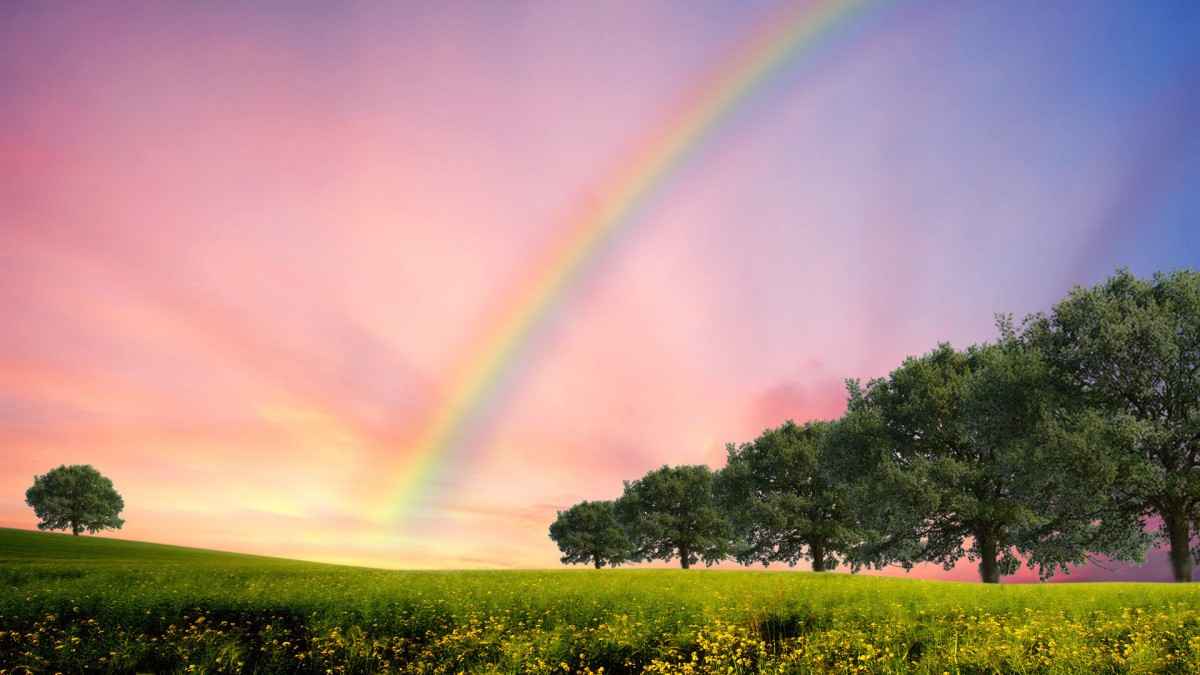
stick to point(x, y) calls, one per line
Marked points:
point(672, 513)
point(77, 498)
point(784, 500)
point(1131, 347)
point(971, 454)
point(589, 532)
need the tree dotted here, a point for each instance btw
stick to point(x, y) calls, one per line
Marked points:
point(672, 512)
point(784, 500)
point(75, 497)
point(589, 532)
point(1131, 348)
point(975, 446)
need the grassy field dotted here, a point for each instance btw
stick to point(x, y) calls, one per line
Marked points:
point(83, 604)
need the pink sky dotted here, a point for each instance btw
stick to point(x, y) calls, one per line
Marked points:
point(241, 251)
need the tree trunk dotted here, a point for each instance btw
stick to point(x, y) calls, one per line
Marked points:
point(684, 557)
point(596, 562)
point(989, 571)
point(1180, 538)
point(75, 528)
point(816, 550)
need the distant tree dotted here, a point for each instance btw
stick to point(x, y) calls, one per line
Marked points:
point(672, 512)
point(77, 498)
point(975, 447)
point(1131, 348)
point(784, 499)
point(589, 532)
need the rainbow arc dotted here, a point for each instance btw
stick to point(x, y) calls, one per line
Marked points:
point(795, 32)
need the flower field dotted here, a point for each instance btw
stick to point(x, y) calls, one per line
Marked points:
point(95, 605)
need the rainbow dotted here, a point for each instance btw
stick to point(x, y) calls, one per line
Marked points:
point(477, 383)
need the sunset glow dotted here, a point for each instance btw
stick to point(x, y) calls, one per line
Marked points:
point(390, 285)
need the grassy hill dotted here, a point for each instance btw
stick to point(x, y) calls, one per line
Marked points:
point(22, 546)
point(73, 604)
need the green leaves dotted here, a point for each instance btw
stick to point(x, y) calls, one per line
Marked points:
point(982, 457)
point(1058, 442)
point(672, 512)
point(1130, 348)
point(590, 533)
point(784, 500)
point(77, 498)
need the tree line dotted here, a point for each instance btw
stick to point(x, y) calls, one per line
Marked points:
point(1072, 436)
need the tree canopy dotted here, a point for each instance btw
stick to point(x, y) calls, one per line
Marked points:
point(672, 512)
point(589, 532)
point(1075, 437)
point(1131, 348)
point(77, 498)
point(784, 501)
point(975, 459)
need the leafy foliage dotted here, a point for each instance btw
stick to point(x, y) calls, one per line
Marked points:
point(589, 532)
point(784, 500)
point(1130, 348)
point(672, 512)
point(77, 498)
point(976, 457)
point(1055, 444)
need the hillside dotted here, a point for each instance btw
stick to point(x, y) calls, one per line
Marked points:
point(30, 546)
point(72, 604)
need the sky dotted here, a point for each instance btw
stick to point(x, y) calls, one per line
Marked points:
point(247, 251)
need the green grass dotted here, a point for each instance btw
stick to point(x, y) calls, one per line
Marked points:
point(78, 604)
point(27, 546)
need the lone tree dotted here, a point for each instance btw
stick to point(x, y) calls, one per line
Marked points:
point(590, 533)
point(672, 512)
point(1131, 347)
point(784, 500)
point(974, 446)
point(75, 497)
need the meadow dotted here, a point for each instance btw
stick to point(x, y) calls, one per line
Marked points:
point(99, 605)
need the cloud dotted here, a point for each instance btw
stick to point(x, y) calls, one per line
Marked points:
point(800, 402)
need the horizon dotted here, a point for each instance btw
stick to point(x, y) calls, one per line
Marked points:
point(893, 573)
point(252, 253)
